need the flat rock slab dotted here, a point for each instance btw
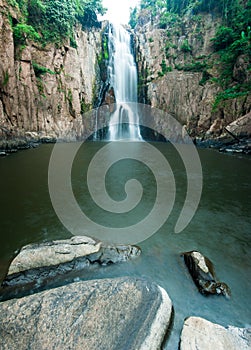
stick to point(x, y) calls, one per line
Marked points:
point(36, 265)
point(241, 127)
point(58, 252)
point(200, 334)
point(122, 313)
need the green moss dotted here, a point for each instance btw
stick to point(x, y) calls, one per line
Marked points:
point(69, 96)
point(192, 67)
point(85, 107)
point(236, 91)
point(167, 48)
point(205, 77)
point(40, 70)
point(73, 42)
point(6, 78)
point(164, 69)
point(40, 86)
point(185, 47)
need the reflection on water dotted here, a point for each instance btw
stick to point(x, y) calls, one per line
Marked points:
point(220, 229)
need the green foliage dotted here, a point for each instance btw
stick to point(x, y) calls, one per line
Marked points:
point(22, 32)
point(87, 11)
point(36, 10)
point(228, 9)
point(73, 42)
point(55, 19)
point(105, 49)
point(104, 55)
point(40, 86)
point(167, 19)
point(144, 4)
point(12, 3)
point(223, 38)
point(232, 38)
point(6, 78)
point(230, 93)
point(61, 17)
point(205, 77)
point(164, 68)
point(40, 70)
point(192, 67)
point(133, 17)
point(185, 47)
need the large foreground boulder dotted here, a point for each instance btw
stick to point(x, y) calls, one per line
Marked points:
point(36, 265)
point(122, 313)
point(200, 334)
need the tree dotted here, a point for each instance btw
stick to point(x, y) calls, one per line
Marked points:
point(133, 17)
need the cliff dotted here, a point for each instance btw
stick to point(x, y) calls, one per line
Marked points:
point(44, 90)
point(178, 73)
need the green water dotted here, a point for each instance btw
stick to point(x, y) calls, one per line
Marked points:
point(220, 229)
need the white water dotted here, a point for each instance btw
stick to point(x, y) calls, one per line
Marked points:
point(122, 73)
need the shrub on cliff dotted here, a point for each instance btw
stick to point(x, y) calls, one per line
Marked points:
point(22, 32)
point(54, 19)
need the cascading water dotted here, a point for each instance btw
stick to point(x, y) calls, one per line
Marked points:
point(122, 73)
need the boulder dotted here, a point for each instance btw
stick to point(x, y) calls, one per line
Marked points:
point(122, 313)
point(38, 264)
point(202, 271)
point(200, 334)
point(241, 127)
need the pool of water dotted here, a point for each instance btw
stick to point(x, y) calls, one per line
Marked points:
point(220, 229)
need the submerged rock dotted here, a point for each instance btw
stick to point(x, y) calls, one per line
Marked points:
point(200, 334)
point(111, 314)
point(202, 272)
point(38, 264)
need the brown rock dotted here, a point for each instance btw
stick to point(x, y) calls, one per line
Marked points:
point(111, 314)
point(39, 265)
point(241, 127)
point(200, 334)
point(54, 103)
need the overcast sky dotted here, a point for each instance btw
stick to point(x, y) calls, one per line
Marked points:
point(118, 10)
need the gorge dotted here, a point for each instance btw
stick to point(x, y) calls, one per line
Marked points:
point(45, 90)
point(87, 85)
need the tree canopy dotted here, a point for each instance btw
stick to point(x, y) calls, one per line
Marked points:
point(54, 20)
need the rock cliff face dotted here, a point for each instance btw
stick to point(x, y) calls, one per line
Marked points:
point(45, 91)
point(46, 104)
point(175, 70)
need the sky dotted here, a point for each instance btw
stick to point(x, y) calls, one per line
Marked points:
point(118, 10)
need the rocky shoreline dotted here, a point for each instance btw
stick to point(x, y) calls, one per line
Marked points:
point(223, 144)
point(235, 140)
point(9, 145)
point(111, 314)
point(241, 146)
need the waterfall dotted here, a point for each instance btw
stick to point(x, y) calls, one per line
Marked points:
point(122, 75)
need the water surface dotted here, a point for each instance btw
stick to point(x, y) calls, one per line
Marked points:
point(220, 229)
